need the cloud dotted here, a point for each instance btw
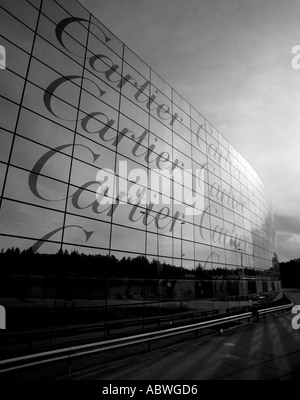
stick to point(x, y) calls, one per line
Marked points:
point(288, 237)
point(288, 246)
point(287, 224)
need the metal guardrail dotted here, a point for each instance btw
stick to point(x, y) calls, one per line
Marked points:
point(277, 308)
point(274, 309)
point(67, 354)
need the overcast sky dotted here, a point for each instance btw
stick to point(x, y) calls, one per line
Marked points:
point(231, 59)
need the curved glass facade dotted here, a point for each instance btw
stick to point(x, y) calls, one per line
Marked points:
point(98, 153)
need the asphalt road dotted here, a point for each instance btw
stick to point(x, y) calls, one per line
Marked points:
point(265, 350)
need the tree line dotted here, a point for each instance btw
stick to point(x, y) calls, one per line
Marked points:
point(65, 263)
point(290, 273)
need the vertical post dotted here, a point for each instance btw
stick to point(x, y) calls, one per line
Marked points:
point(2, 317)
point(158, 263)
point(181, 246)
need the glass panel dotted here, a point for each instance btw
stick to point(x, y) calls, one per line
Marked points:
point(127, 215)
point(43, 77)
point(132, 188)
point(203, 222)
point(22, 10)
point(99, 89)
point(203, 254)
point(138, 64)
point(86, 232)
point(125, 238)
point(74, 8)
point(226, 177)
point(199, 136)
point(182, 131)
point(69, 46)
point(183, 161)
point(45, 191)
point(87, 203)
point(54, 58)
point(183, 104)
point(99, 126)
point(11, 85)
point(218, 258)
point(24, 220)
point(6, 141)
point(165, 247)
point(216, 209)
point(93, 153)
point(182, 145)
point(161, 85)
point(16, 59)
point(129, 149)
point(186, 247)
point(228, 215)
point(161, 187)
point(197, 120)
point(231, 258)
point(103, 34)
point(101, 60)
point(26, 154)
point(183, 194)
point(160, 130)
point(159, 99)
point(76, 30)
point(182, 118)
point(83, 173)
point(89, 103)
point(35, 3)
point(15, 31)
point(199, 158)
point(212, 131)
point(9, 242)
point(160, 220)
point(59, 111)
point(9, 112)
point(213, 149)
point(2, 174)
point(153, 245)
point(135, 87)
point(160, 147)
point(85, 250)
point(183, 230)
point(215, 189)
point(44, 131)
point(134, 112)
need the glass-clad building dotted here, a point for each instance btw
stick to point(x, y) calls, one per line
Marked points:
point(99, 154)
point(92, 137)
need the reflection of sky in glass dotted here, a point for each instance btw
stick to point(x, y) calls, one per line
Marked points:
point(54, 171)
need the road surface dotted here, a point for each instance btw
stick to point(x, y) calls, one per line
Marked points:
point(264, 350)
point(268, 349)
